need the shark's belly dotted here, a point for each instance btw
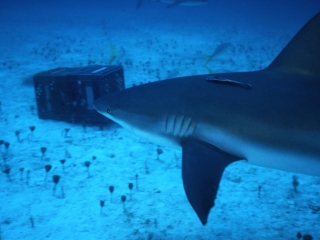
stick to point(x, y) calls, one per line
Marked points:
point(284, 160)
point(264, 155)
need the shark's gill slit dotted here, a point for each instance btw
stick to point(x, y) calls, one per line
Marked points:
point(182, 126)
point(185, 125)
point(189, 126)
point(174, 124)
point(166, 124)
point(179, 125)
point(193, 126)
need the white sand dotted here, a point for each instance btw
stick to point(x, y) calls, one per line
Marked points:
point(157, 42)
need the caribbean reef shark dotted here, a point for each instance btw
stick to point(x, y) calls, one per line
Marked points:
point(269, 118)
point(173, 3)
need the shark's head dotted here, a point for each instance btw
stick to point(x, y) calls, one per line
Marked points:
point(143, 112)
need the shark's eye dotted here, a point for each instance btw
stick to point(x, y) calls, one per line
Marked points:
point(108, 110)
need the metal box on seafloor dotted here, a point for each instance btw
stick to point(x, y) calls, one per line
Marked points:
point(67, 94)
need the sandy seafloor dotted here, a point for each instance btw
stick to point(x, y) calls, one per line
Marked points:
point(153, 43)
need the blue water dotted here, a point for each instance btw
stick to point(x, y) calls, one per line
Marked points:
point(151, 43)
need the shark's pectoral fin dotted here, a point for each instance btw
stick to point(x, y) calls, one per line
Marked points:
point(202, 168)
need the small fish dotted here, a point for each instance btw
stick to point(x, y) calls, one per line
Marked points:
point(173, 3)
point(219, 49)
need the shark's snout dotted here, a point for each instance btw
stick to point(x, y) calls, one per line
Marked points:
point(98, 104)
point(104, 105)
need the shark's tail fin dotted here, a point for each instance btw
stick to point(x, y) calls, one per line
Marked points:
point(302, 54)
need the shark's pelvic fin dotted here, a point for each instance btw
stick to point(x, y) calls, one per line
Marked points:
point(202, 168)
point(302, 53)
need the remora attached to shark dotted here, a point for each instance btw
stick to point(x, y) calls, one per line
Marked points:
point(269, 118)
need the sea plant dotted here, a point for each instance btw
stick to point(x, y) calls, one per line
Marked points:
point(67, 154)
point(62, 161)
point(47, 168)
point(146, 167)
point(17, 133)
point(101, 206)
point(32, 107)
point(66, 131)
point(111, 189)
point(259, 190)
point(6, 145)
point(28, 177)
point(32, 128)
point(21, 173)
point(137, 186)
point(55, 179)
point(43, 151)
point(7, 172)
point(32, 222)
point(295, 183)
point(123, 200)
point(130, 185)
point(159, 152)
point(87, 164)
point(155, 223)
point(304, 237)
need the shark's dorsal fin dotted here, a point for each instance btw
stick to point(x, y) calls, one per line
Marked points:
point(302, 53)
